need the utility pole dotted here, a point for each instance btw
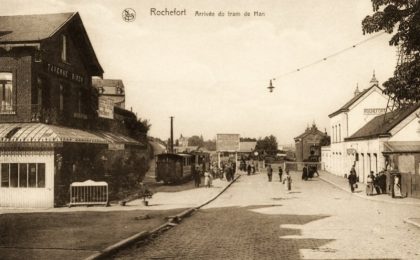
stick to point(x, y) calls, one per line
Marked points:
point(171, 147)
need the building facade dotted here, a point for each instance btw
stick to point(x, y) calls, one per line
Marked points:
point(110, 89)
point(340, 155)
point(50, 133)
point(308, 144)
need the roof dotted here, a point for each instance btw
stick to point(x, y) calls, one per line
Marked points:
point(38, 27)
point(23, 28)
point(351, 102)
point(109, 86)
point(25, 133)
point(247, 147)
point(378, 127)
point(402, 147)
point(308, 131)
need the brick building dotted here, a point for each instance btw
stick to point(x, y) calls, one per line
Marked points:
point(308, 144)
point(50, 133)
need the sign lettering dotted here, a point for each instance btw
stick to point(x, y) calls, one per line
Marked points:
point(374, 111)
point(227, 142)
point(51, 68)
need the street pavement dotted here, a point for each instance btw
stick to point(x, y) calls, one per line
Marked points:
point(255, 219)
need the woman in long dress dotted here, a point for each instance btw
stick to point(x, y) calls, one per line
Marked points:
point(369, 184)
point(397, 186)
point(287, 181)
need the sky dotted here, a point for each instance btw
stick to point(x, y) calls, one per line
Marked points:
point(211, 73)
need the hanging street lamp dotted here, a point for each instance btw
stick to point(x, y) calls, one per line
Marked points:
point(271, 87)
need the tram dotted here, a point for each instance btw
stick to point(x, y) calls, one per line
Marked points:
point(174, 168)
point(177, 168)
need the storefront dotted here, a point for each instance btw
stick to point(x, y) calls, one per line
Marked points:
point(38, 162)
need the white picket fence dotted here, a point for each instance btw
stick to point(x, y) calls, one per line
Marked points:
point(88, 193)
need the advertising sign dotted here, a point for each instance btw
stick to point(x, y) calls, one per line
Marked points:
point(106, 108)
point(227, 142)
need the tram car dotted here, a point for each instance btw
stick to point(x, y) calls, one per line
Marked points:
point(174, 168)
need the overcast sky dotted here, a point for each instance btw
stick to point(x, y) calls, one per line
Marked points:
point(212, 73)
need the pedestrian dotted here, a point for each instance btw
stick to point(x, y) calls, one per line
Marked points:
point(305, 173)
point(249, 169)
point(228, 170)
point(370, 183)
point(397, 186)
point(287, 181)
point(352, 179)
point(197, 176)
point(207, 179)
point(253, 167)
point(269, 172)
point(280, 173)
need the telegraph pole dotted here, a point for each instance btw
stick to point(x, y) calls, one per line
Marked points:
point(171, 147)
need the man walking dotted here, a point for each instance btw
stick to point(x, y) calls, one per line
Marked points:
point(280, 173)
point(352, 178)
point(269, 172)
point(305, 173)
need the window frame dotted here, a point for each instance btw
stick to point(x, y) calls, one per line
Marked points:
point(40, 181)
point(12, 109)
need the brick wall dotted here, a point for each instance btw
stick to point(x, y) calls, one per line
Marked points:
point(18, 61)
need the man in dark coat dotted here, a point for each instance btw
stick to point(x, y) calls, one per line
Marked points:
point(280, 173)
point(352, 178)
point(269, 172)
point(305, 173)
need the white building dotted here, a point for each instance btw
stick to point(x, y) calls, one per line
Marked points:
point(346, 121)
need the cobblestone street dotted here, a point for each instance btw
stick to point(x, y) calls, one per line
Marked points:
point(255, 219)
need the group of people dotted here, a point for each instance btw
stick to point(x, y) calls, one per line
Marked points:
point(287, 181)
point(376, 183)
point(309, 171)
point(226, 171)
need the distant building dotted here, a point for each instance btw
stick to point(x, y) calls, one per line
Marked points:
point(246, 148)
point(308, 144)
point(110, 89)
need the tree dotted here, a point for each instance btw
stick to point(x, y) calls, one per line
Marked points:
point(196, 140)
point(404, 17)
point(210, 145)
point(267, 144)
point(247, 139)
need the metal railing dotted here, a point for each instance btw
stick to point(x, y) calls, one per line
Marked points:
point(89, 193)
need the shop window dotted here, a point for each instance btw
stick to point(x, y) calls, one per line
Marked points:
point(6, 92)
point(41, 175)
point(14, 177)
point(32, 175)
point(23, 175)
point(5, 175)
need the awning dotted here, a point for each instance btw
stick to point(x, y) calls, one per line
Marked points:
point(38, 134)
point(402, 147)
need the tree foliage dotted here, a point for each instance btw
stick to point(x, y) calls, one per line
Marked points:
point(403, 16)
point(196, 140)
point(267, 144)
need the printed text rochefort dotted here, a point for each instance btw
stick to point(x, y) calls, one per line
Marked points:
point(166, 12)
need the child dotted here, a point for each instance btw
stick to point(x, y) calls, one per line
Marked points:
point(287, 181)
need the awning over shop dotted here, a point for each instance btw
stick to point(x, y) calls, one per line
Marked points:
point(28, 134)
point(402, 147)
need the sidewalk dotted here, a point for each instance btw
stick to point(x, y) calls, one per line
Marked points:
point(343, 184)
point(79, 232)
